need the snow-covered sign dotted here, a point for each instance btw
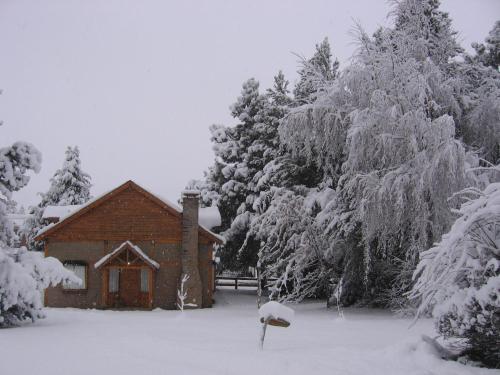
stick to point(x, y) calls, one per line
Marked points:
point(276, 314)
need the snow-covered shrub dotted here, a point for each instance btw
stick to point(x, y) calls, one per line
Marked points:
point(23, 277)
point(458, 280)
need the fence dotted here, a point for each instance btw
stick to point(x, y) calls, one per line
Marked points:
point(241, 281)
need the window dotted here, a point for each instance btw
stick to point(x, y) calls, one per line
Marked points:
point(80, 270)
point(114, 280)
point(144, 280)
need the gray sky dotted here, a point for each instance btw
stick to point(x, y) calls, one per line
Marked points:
point(136, 84)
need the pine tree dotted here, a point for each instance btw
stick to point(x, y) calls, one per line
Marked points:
point(480, 126)
point(242, 152)
point(15, 162)
point(430, 27)
point(279, 93)
point(489, 52)
point(70, 185)
point(315, 74)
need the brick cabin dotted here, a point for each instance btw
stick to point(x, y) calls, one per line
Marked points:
point(131, 248)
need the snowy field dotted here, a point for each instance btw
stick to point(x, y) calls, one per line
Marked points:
point(221, 340)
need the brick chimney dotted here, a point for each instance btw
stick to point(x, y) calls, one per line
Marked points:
point(190, 204)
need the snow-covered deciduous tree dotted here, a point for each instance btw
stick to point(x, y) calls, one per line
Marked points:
point(23, 275)
point(314, 136)
point(182, 294)
point(458, 280)
point(391, 128)
point(384, 130)
point(15, 162)
point(292, 247)
point(70, 185)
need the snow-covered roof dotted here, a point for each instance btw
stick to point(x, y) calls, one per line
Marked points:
point(168, 202)
point(209, 217)
point(71, 213)
point(59, 211)
point(136, 249)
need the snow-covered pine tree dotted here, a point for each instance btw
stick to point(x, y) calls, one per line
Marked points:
point(489, 52)
point(70, 185)
point(480, 127)
point(241, 154)
point(458, 280)
point(279, 93)
point(287, 186)
point(315, 74)
point(431, 28)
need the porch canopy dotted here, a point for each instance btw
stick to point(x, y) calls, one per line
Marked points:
point(128, 254)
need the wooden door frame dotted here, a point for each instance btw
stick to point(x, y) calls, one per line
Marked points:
point(105, 282)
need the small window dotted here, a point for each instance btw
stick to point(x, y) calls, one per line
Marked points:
point(114, 280)
point(144, 280)
point(80, 270)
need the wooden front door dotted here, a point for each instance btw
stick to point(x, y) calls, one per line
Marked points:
point(130, 287)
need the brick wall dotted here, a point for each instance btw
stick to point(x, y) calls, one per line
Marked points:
point(165, 279)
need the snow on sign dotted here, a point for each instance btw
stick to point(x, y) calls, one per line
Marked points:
point(274, 314)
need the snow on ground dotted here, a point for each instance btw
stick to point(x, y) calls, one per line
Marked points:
point(222, 340)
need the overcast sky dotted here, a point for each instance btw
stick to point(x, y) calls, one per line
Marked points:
point(136, 84)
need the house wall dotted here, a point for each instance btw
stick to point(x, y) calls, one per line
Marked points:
point(206, 273)
point(165, 279)
point(127, 215)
